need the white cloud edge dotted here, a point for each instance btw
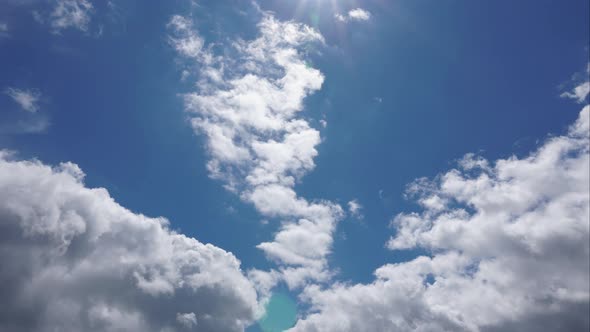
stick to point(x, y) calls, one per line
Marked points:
point(27, 99)
point(581, 91)
point(357, 14)
point(355, 208)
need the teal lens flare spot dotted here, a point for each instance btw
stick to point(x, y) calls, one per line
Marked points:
point(281, 314)
point(314, 18)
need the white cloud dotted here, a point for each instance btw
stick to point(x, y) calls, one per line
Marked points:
point(581, 91)
point(186, 42)
point(509, 250)
point(357, 14)
point(28, 100)
point(188, 320)
point(74, 259)
point(69, 14)
point(354, 208)
point(247, 105)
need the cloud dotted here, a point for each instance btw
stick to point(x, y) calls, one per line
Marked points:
point(581, 91)
point(357, 14)
point(74, 259)
point(70, 14)
point(28, 100)
point(354, 208)
point(188, 320)
point(508, 245)
point(247, 106)
point(4, 31)
point(187, 42)
point(29, 125)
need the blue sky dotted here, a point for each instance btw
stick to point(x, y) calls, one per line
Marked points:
point(407, 89)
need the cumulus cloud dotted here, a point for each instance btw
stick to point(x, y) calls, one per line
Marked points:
point(357, 14)
point(74, 259)
point(70, 14)
point(27, 99)
point(509, 250)
point(246, 106)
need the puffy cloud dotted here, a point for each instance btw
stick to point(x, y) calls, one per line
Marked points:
point(28, 100)
point(70, 14)
point(357, 14)
point(188, 320)
point(246, 106)
point(509, 250)
point(74, 259)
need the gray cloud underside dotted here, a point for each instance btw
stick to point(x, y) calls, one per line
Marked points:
point(75, 260)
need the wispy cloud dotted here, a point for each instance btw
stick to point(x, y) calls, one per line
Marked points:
point(357, 14)
point(186, 41)
point(27, 99)
point(33, 125)
point(4, 31)
point(355, 208)
point(581, 90)
point(70, 14)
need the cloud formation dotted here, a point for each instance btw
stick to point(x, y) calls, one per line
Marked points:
point(354, 208)
point(29, 125)
point(28, 100)
point(357, 14)
point(580, 92)
point(75, 260)
point(70, 14)
point(246, 107)
point(187, 42)
point(509, 250)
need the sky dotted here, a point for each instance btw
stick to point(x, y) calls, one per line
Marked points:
point(301, 165)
